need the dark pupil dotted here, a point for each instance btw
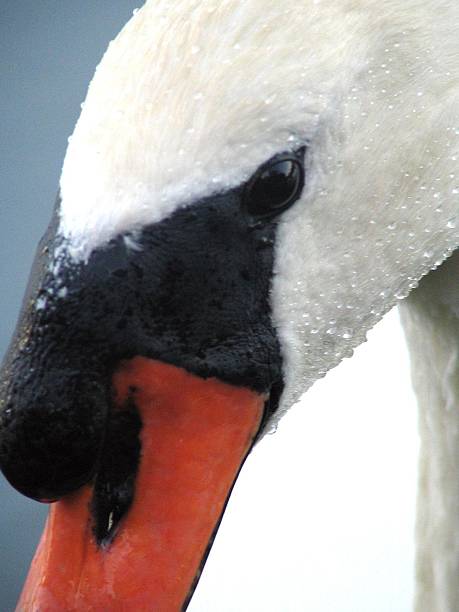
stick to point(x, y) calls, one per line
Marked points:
point(275, 188)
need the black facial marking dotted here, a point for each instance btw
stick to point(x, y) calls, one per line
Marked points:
point(271, 406)
point(114, 485)
point(195, 293)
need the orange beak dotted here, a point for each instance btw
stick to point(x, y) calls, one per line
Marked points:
point(195, 436)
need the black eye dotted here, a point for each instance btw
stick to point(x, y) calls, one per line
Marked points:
point(274, 187)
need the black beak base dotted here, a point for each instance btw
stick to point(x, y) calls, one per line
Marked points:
point(194, 293)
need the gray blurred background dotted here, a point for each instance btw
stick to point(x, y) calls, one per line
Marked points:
point(48, 52)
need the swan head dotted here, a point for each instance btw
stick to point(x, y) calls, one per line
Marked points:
point(192, 106)
point(197, 108)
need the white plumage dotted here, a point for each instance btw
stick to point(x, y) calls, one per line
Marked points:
point(183, 107)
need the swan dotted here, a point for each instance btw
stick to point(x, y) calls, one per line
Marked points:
point(345, 246)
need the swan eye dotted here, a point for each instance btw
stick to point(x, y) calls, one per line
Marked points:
point(274, 187)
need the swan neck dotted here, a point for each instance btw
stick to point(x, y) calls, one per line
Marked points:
point(430, 317)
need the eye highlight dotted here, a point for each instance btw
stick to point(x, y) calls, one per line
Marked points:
point(275, 186)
